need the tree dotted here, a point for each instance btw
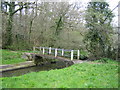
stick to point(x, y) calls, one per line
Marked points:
point(9, 9)
point(42, 24)
point(98, 22)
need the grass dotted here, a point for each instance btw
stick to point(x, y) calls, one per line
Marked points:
point(83, 75)
point(11, 57)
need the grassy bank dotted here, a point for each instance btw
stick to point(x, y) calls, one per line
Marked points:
point(83, 75)
point(11, 57)
point(98, 74)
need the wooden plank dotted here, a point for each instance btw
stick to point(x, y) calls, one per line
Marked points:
point(55, 48)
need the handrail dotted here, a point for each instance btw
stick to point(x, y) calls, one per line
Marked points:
point(43, 49)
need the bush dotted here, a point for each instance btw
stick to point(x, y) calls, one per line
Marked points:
point(106, 60)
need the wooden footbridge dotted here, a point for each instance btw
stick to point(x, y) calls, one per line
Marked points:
point(72, 54)
point(44, 53)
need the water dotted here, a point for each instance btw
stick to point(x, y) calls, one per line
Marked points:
point(47, 66)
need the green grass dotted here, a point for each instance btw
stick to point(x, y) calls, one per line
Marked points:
point(11, 57)
point(83, 75)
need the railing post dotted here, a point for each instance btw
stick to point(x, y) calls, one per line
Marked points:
point(62, 52)
point(56, 52)
point(33, 48)
point(40, 48)
point(78, 54)
point(71, 54)
point(43, 50)
point(50, 50)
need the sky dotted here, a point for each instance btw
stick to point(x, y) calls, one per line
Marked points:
point(112, 3)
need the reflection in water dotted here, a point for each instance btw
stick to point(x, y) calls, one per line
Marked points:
point(47, 66)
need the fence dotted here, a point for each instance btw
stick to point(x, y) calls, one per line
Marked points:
point(59, 52)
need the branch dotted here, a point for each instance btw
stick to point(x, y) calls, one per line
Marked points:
point(23, 6)
point(110, 13)
point(6, 3)
point(5, 12)
point(19, 9)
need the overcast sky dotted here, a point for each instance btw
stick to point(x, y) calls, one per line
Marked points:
point(112, 3)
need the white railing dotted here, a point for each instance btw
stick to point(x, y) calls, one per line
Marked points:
point(55, 51)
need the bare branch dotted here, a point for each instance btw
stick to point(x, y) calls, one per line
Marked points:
point(4, 12)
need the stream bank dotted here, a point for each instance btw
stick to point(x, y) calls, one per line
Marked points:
point(29, 66)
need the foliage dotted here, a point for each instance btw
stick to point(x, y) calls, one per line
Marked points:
point(83, 75)
point(106, 60)
point(98, 21)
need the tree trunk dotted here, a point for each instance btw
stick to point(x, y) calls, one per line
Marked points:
point(9, 25)
point(9, 31)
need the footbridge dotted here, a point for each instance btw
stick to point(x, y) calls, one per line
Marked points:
point(56, 52)
point(45, 54)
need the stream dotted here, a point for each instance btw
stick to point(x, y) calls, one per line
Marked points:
point(44, 67)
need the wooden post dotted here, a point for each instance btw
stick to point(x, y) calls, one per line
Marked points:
point(50, 50)
point(43, 50)
point(40, 48)
point(71, 54)
point(33, 48)
point(62, 52)
point(56, 52)
point(78, 54)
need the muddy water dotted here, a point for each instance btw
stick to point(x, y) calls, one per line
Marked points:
point(47, 66)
